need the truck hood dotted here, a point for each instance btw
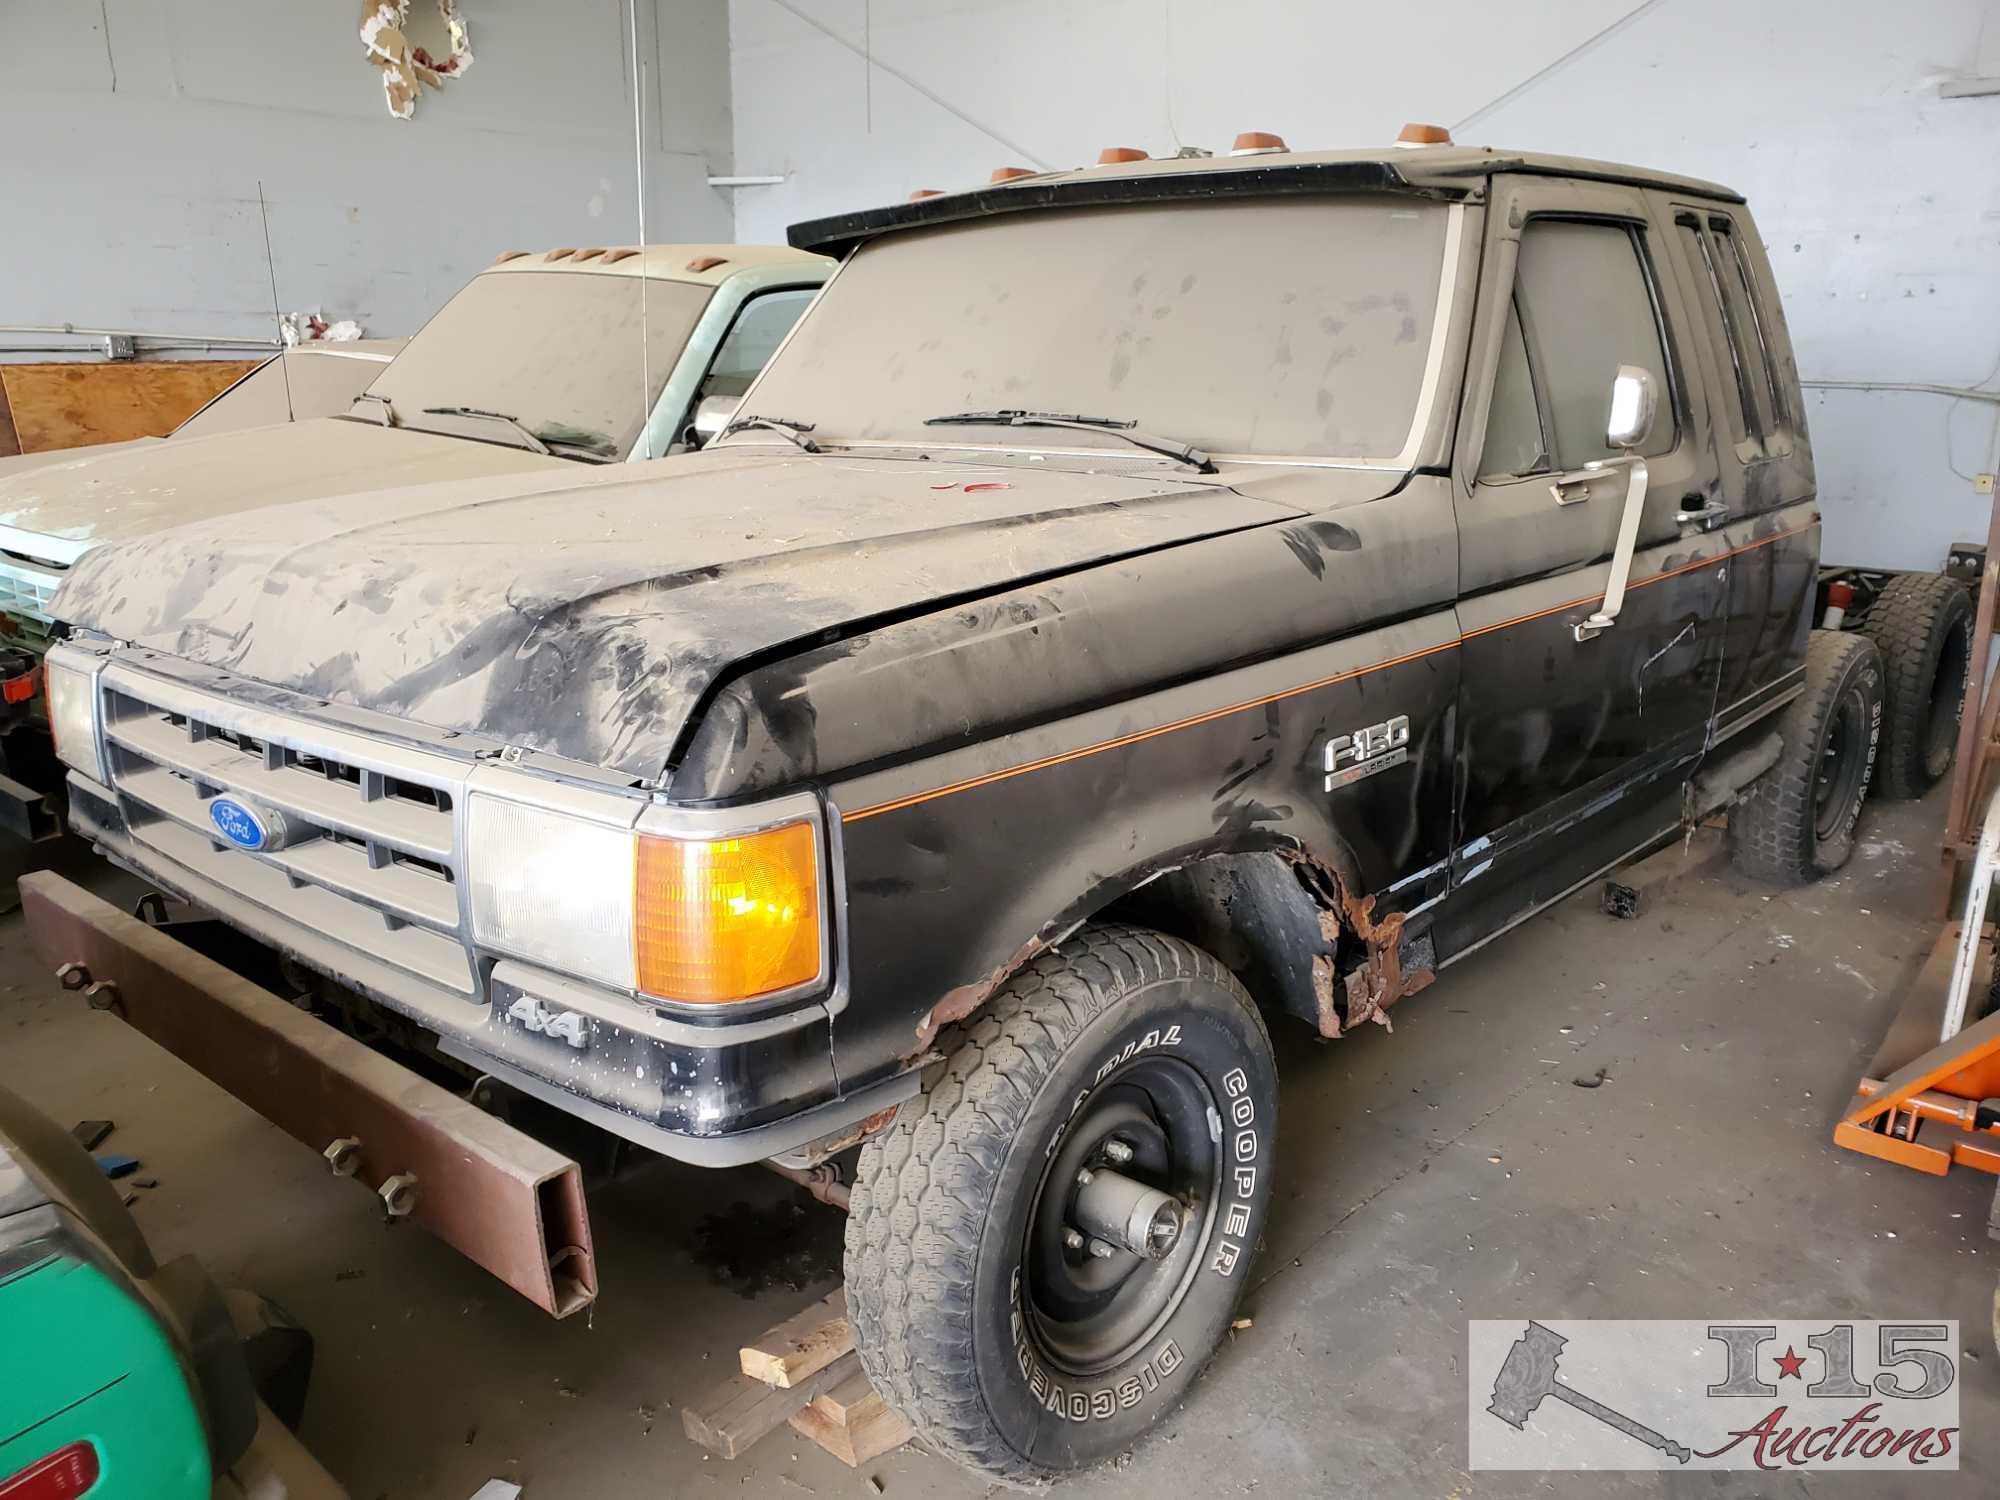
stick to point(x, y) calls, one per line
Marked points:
point(55, 512)
point(591, 620)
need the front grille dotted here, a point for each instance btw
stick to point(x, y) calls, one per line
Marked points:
point(371, 860)
point(25, 592)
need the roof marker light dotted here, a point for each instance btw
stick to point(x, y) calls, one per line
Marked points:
point(612, 257)
point(1112, 155)
point(1257, 142)
point(1008, 174)
point(506, 255)
point(707, 262)
point(1424, 135)
point(926, 193)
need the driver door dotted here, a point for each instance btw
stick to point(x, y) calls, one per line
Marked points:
point(1572, 749)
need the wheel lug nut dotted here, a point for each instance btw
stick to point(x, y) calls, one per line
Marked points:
point(1083, 1176)
point(1072, 1240)
point(1101, 1250)
point(1117, 1153)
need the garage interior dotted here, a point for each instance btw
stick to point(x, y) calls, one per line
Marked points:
point(1600, 1114)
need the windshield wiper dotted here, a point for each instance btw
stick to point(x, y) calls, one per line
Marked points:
point(1185, 453)
point(794, 432)
point(528, 439)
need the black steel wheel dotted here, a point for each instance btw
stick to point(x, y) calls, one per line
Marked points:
point(1796, 822)
point(1045, 1249)
point(1922, 622)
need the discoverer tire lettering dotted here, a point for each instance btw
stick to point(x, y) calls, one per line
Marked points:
point(954, 1318)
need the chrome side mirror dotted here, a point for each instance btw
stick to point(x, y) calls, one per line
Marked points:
point(711, 415)
point(1633, 403)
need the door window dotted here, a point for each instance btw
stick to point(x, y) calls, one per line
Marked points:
point(1514, 440)
point(1587, 300)
point(753, 338)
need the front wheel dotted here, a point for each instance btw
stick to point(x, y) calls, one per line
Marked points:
point(1045, 1249)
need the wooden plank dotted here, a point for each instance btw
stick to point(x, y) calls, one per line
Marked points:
point(801, 1345)
point(851, 1400)
point(10, 441)
point(75, 405)
point(852, 1422)
point(743, 1409)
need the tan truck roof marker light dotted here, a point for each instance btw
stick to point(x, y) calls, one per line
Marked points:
point(1112, 155)
point(1424, 135)
point(707, 262)
point(922, 193)
point(1257, 142)
point(1008, 174)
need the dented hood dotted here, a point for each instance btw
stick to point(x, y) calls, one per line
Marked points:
point(55, 511)
point(590, 620)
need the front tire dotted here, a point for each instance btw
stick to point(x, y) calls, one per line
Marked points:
point(1795, 823)
point(982, 1311)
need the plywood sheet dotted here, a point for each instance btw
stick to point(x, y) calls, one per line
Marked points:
point(74, 405)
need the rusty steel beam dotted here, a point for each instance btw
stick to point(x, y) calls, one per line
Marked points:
point(496, 1195)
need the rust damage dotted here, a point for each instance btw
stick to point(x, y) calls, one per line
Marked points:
point(1366, 990)
point(962, 1000)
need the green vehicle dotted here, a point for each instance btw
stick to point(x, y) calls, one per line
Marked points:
point(125, 1379)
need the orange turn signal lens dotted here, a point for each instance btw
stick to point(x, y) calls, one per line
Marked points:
point(727, 919)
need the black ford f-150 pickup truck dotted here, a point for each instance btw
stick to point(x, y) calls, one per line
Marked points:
point(1134, 602)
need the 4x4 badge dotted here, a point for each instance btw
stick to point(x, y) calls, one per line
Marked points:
point(1350, 757)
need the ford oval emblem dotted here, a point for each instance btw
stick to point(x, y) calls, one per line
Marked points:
point(237, 823)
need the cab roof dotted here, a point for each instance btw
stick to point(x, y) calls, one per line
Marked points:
point(1443, 171)
point(700, 265)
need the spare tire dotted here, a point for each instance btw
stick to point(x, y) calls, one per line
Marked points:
point(1923, 624)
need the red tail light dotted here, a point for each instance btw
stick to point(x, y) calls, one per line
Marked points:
point(63, 1475)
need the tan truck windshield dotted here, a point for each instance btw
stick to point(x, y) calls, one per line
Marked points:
point(558, 352)
point(1281, 327)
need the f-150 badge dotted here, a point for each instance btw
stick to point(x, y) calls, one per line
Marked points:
point(1349, 757)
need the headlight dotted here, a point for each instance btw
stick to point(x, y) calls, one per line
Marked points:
point(72, 688)
point(679, 907)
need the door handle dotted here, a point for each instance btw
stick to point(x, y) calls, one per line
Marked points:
point(1700, 513)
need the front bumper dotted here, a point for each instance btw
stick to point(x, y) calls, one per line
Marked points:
point(716, 1095)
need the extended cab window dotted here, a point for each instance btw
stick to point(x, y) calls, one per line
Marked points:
point(1729, 301)
point(1586, 297)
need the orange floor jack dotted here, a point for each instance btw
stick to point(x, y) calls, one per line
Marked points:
point(1930, 1098)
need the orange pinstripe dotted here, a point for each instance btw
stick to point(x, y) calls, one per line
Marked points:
point(1008, 773)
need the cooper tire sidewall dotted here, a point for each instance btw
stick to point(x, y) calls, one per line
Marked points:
point(1862, 680)
point(1059, 1421)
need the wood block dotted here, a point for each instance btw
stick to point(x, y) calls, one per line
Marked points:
point(802, 1345)
point(743, 1409)
point(852, 1422)
point(74, 405)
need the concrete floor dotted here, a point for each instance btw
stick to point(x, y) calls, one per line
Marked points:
point(1698, 1181)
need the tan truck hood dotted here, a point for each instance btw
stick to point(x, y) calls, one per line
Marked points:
point(592, 620)
point(55, 512)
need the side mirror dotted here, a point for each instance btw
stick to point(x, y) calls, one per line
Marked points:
point(711, 415)
point(1633, 402)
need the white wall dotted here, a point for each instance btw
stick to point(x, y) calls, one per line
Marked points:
point(1879, 200)
point(133, 134)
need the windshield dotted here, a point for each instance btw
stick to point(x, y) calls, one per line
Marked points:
point(557, 352)
point(1274, 326)
point(300, 387)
